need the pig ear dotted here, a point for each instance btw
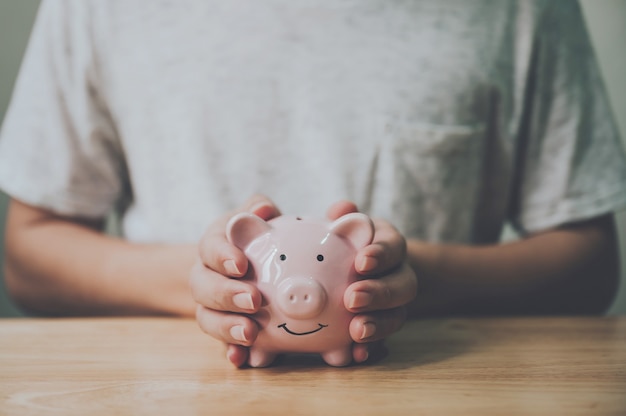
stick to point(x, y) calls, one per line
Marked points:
point(356, 227)
point(243, 228)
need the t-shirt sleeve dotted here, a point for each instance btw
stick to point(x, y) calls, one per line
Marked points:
point(58, 147)
point(570, 163)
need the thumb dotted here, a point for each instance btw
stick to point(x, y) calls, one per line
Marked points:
point(262, 206)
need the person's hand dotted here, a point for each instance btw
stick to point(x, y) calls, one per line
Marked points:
point(222, 298)
point(378, 301)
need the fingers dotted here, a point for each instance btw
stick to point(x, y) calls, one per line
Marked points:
point(237, 354)
point(221, 300)
point(261, 206)
point(368, 351)
point(360, 352)
point(379, 305)
point(221, 256)
point(341, 208)
point(385, 253)
point(215, 291)
point(390, 291)
point(227, 327)
point(377, 325)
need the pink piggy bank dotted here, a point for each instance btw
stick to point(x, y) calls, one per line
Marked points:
point(302, 267)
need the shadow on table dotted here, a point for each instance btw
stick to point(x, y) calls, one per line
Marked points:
point(429, 342)
point(418, 344)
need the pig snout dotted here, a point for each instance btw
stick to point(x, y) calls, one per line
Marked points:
point(301, 297)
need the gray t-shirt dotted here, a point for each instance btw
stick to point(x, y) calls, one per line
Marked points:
point(448, 118)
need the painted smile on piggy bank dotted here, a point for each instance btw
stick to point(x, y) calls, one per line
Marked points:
point(302, 267)
point(319, 328)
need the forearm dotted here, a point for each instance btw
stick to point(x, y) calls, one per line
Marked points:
point(56, 267)
point(569, 270)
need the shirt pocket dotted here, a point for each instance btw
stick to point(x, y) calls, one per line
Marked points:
point(433, 139)
point(437, 174)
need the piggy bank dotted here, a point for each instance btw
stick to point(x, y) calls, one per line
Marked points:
point(302, 267)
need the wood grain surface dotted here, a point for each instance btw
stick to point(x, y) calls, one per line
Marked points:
point(544, 366)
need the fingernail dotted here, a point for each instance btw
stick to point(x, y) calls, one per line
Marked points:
point(366, 356)
point(359, 300)
point(237, 333)
point(231, 268)
point(243, 301)
point(368, 263)
point(257, 207)
point(369, 329)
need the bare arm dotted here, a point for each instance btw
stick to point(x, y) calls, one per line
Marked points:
point(67, 266)
point(573, 269)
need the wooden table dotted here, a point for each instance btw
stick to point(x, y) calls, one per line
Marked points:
point(153, 366)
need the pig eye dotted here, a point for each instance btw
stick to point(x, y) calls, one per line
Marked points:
point(320, 257)
point(283, 257)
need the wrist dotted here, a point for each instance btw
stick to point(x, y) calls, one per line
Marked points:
point(441, 290)
point(426, 259)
